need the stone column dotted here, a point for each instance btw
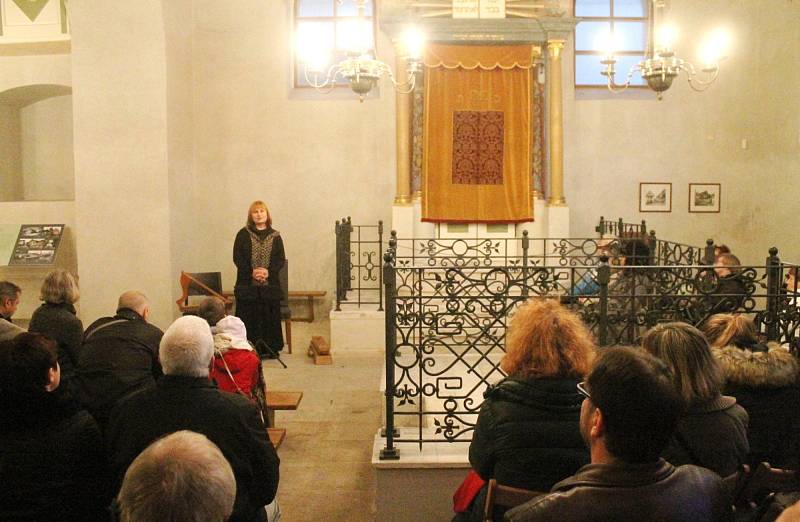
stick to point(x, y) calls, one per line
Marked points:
point(555, 123)
point(403, 139)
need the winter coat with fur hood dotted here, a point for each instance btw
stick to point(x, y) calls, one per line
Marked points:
point(764, 380)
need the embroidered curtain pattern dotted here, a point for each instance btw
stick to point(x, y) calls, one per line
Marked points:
point(478, 147)
point(477, 134)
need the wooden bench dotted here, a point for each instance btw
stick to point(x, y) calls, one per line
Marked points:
point(309, 296)
point(320, 350)
point(281, 400)
point(276, 436)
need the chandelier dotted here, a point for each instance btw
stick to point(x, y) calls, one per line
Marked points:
point(360, 69)
point(660, 65)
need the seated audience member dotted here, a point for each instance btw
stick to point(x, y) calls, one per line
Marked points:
point(236, 366)
point(56, 318)
point(9, 301)
point(628, 289)
point(763, 378)
point(631, 408)
point(730, 291)
point(52, 463)
point(712, 431)
point(185, 399)
point(119, 356)
point(587, 284)
point(182, 477)
point(527, 433)
point(719, 250)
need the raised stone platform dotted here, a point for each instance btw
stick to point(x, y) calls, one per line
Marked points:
point(357, 330)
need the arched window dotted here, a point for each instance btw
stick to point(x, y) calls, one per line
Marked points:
point(627, 21)
point(331, 24)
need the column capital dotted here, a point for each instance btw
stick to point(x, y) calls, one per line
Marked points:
point(555, 46)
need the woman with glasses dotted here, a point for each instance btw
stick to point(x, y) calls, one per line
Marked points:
point(712, 432)
point(527, 434)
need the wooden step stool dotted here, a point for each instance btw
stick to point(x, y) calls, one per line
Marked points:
point(320, 350)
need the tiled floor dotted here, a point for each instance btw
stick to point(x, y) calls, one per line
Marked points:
point(326, 473)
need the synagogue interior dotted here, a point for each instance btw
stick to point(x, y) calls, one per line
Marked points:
point(431, 166)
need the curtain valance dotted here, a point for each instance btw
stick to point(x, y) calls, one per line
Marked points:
point(485, 57)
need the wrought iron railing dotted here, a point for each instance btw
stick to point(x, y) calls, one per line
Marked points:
point(446, 324)
point(359, 278)
point(621, 229)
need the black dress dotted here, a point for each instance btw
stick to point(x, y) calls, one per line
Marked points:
point(259, 305)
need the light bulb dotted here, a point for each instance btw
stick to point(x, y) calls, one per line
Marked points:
point(414, 43)
point(607, 44)
point(714, 48)
point(666, 36)
point(313, 47)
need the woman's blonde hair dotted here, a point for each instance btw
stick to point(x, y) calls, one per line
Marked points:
point(545, 339)
point(725, 329)
point(60, 286)
point(254, 205)
point(685, 350)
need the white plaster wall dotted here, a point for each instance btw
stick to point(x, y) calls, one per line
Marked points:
point(18, 70)
point(46, 144)
point(312, 158)
point(10, 161)
point(120, 135)
point(613, 142)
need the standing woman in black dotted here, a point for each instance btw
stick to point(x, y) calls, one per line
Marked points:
point(259, 257)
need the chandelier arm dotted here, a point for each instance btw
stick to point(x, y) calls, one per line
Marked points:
point(617, 88)
point(330, 80)
point(697, 83)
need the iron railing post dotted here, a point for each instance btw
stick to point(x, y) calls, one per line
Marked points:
point(601, 228)
point(348, 229)
point(773, 294)
point(380, 272)
point(390, 452)
point(525, 245)
point(708, 254)
point(339, 268)
point(603, 278)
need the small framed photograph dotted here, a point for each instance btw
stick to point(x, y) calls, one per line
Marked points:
point(655, 197)
point(704, 197)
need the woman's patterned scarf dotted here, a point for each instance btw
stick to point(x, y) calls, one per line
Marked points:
point(261, 249)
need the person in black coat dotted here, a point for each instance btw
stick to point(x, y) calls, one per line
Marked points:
point(527, 434)
point(119, 356)
point(764, 380)
point(56, 318)
point(52, 463)
point(259, 257)
point(712, 431)
point(186, 399)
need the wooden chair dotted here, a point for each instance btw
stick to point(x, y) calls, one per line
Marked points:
point(505, 496)
point(763, 481)
point(200, 283)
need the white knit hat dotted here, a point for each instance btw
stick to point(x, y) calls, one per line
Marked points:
point(233, 328)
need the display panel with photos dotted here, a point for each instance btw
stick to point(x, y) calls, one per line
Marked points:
point(37, 245)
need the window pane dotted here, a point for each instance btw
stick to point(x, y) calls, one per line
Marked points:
point(350, 8)
point(629, 36)
point(631, 8)
point(315, 7)
point(587, 70)
point(588, 34)
point(624, 64)
point(592, 8)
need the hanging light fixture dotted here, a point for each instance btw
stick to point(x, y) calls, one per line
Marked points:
point(660, 65)
point(360, 69)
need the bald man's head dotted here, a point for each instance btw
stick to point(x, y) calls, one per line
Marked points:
point(136, 301)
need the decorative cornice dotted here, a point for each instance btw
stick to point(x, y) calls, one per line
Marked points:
point(466, 30)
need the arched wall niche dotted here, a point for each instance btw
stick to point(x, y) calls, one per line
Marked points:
point(36, 148)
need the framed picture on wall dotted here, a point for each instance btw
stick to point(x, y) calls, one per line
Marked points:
point(655, 197)
point(704, 197)
point(36, 245)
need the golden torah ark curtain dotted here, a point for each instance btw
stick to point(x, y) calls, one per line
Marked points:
point(477, 149)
